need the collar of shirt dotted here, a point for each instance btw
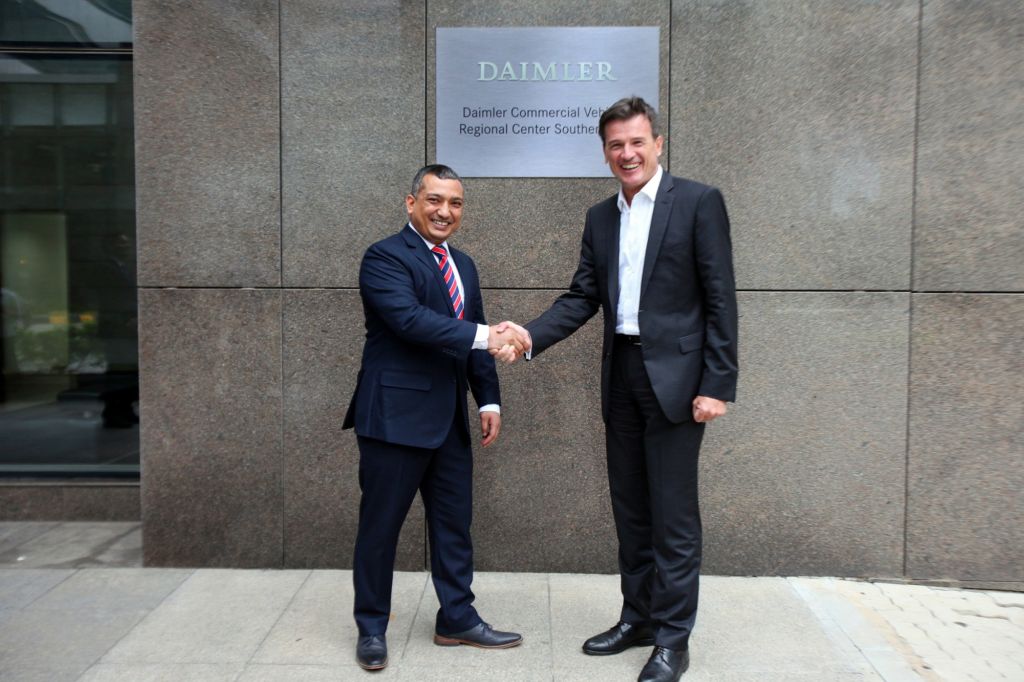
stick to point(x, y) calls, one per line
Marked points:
point(430, 245)
point(650, 190)
point(451, 261)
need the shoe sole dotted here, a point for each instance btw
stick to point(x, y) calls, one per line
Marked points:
point(366, 666)
point(440, 640)
point(642, 642)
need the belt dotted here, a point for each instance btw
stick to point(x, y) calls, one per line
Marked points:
point(628, 339)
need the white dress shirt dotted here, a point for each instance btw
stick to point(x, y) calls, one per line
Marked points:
point(634, 226)
point(483, 332)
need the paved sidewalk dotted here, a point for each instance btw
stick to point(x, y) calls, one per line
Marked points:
point(68, 618)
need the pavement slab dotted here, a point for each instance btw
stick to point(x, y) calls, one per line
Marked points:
point(40, 673)
point(129, 589)
point(20, 587)
point(222, 625)
point(215, 616)
point(516, 602)
point(920, 632)
point(162, 672)
point(14, 533)
point(108, 545)
point(317, 628)
point(37, 638)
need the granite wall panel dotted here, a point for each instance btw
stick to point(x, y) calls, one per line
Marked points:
point(803, 114)
point(101, 503)
point(207, 142)
point(69, 501)
point(36, 503)
point(538, 220)
point(966, 473)
point(323, 343)
point(805, 474)
point(210, 363)
point(541, 490)
point(352, 130)
point(968, 235)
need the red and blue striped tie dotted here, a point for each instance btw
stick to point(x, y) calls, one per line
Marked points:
point(449, 280)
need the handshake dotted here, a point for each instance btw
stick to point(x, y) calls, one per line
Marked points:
point(508, 341)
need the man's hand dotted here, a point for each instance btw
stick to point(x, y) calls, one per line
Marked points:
point(508, 341)
point(490, 424)
point(705, 409)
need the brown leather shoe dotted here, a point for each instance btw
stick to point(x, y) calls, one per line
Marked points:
point(482, 636)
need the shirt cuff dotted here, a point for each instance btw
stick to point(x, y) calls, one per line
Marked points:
point(493, 407)
point(483, 333)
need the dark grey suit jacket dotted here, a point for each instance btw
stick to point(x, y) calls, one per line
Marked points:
point(688, 318)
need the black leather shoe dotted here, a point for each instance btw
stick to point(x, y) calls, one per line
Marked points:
point(665, 665)
point(619, 638)
point(483, 636)
point(372, 652)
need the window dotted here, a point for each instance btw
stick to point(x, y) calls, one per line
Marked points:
point(69, 342)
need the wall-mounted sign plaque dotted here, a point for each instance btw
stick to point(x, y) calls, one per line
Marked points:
point(525, 102)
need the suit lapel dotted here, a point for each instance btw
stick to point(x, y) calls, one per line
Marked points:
point(659, 223)
point(426, 256)
point(614, 225)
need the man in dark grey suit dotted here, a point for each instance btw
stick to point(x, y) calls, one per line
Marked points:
point(657, 258)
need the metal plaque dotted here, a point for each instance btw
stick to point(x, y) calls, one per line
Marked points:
point(525, 102)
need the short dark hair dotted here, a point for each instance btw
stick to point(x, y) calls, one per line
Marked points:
point(441, 171)
point(625, 109)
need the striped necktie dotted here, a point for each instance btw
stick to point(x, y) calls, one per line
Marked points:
point(449, 280)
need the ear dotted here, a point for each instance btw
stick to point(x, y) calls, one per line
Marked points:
point(410, 201)
point(658, 144)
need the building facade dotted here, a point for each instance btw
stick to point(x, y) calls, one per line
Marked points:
point(870, 156)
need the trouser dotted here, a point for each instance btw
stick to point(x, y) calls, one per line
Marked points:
point(652, 475)
point(389, 476)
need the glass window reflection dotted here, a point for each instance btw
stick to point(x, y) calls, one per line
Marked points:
point(69, 342)
point(102, 23)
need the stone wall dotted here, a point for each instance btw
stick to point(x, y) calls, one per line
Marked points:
point(870, 155)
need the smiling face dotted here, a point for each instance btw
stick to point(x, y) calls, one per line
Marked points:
point(436, 212)
point(632, 152)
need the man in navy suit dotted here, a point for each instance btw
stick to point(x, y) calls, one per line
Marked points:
point(427, 343)
point(657, 258)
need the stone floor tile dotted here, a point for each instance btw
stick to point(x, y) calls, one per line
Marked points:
point(1008, 599)
point(113, 589)
point(429, 673)
point(113, 672)
point(318, 628)
point(79, 545)
point(763, 625)
point(216, 616)
point(314, 673)
point(19, 587)
point(508, 601)
point(854, 608)
point(581, 607)
point(62, 639)
point(40, 673)
point(14, 533)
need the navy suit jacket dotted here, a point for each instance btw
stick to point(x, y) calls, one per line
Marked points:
point(418, 361)
point(688, 317)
